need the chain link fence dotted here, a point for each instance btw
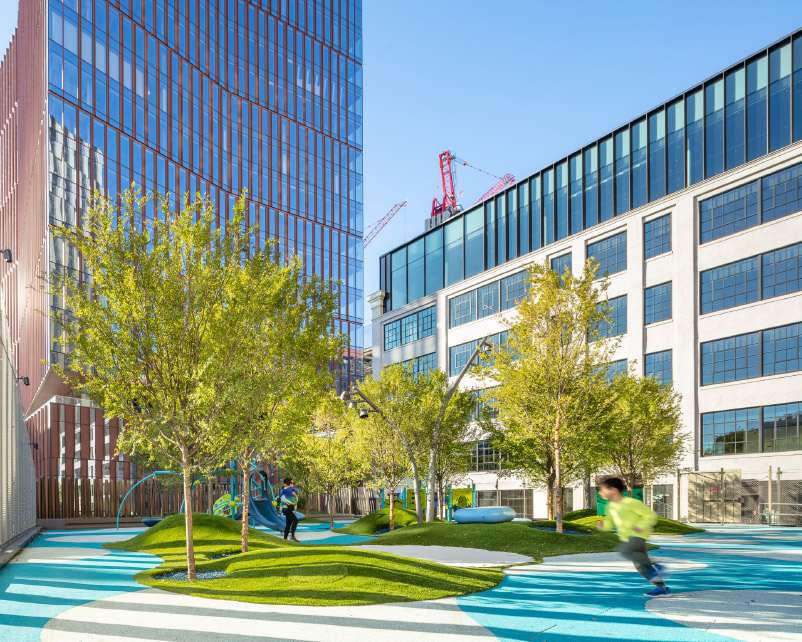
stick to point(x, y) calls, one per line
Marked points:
point(17, 477)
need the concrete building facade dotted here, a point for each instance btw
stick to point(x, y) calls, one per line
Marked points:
point(701, 236)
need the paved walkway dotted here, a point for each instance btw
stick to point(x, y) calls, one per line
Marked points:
point(730, 584)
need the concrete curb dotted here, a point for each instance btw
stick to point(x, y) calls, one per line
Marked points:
point(10, 550)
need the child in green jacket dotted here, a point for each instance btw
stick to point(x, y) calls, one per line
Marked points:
point(634, 522)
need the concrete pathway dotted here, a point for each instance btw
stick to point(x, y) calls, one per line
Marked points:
point(451, 556)
point(730, 584)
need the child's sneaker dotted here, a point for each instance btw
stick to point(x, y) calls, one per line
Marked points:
point(658, 591)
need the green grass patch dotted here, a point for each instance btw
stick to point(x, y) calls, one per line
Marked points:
point(663, 527)
point(579, 514)
point(513, 537)
point(369, 524)
point(275, 571)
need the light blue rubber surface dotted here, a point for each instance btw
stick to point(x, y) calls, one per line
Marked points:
point(580, 607)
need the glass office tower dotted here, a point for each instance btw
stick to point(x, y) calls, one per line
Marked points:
point(217, 97)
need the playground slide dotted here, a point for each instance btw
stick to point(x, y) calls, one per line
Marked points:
point(264, 514)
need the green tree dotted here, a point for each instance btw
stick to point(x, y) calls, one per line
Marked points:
point(276, 380)
point(326, 451)
point(643, 432)
point(152, 320)
point(381, 455)
point(551, 372)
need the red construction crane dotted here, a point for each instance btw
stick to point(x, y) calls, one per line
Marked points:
point(384, 221)
point(449, 202)
point(507, 179)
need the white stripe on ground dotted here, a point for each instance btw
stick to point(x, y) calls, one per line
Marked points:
point(752, 616)
point(598, 563)
point(787, 555)
point(157, 615)
point(453, 556)
point(56, 554)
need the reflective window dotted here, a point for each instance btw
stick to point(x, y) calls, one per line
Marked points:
point(591, 187)
point(474, 242)
point(657, 155)
point(658, 365)
point(523, 218)
point(694, 127)
point(734, 111)
point(606, 191)
point(782, 271)
point(459, 354)
point(780, 97)
point(622, 172)
point(729, 285)
point(422, 364)
point(577, 223)
point(415, 273)
point(657, 236)
point(610, 254)
point(676, 146)
point(410, 328)
point(617, 323)
point(487, 300)
point(562, 201)
point(433, 243)
point(781, 349)
point(548, 206)
point(714, 130)
point(490, 232)
point(561, 263)
point(731, 432)
point(398, 294)
point(513, 289)
point(512, 225)
point(731, 359)
point(453, 233)
point(462, 309)
point(727, 213)
point(536, 215)
point(484, 457)
point(615, 369)
point(501, 230)
point(657, 303)
point(392, 335)
point(782, 193)
point(797, 97)
point(483, 400)
point(640, 178)
point(782, 427)
point(757, 79)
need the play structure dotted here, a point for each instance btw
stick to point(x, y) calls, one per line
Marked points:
point(484, 515)
point(261, 508)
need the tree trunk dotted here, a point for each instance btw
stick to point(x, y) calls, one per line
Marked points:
point(432, 484)
point(441, 501)
point(185, 465)
point(550, 496)
point(331, 509)
point(586, 491)
point(416, 490)
point(392, 508)
point(558, 478)
point(246, 501)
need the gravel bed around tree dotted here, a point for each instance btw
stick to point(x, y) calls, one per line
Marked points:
point(181, 576)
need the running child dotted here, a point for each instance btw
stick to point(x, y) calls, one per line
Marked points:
point(634, 522)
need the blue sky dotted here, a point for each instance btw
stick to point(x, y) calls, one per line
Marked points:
point(513, 85)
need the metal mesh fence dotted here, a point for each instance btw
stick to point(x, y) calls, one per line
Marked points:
point(17, 477)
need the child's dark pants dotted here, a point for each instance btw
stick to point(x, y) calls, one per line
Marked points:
point(634, 549)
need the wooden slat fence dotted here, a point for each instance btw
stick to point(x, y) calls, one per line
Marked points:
point(353, 501)
point(76, 497)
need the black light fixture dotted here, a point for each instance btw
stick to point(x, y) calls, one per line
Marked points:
point(24, 380)
point(7, 254)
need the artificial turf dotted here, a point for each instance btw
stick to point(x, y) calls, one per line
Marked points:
point(513, 537)
point(275, 571)
point(663, 527)
point(378, 520)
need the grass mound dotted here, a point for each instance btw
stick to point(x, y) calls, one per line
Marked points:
point(513, 537)
point(579, 514)
point(369, 524)
point(663, 527)
point(275, 571)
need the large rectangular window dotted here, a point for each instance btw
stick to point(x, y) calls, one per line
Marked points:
point(658, 365)
point(561, 263)
point(757, 80)
point(797, 97)
point(458, 356)
point(462, 309)
point(694, 128)
point(415, 270)
point(410, 328)
point(782, 193)
point(610, 253)
point(615, 369)
point(617, 323)
point(640, 173)
point(676, 146)
point(591, 187)
point(781, 349)
point(606, 189)
point(730, 212)
point(562, 201)
point(730, 285)
point(780, 97)
point(657, 236)
point(536, 230)
point(782, 427)
point(548, 207)
point(731, 359)
point(487, 302)
point(734, 112)
point(422, 364)
point(577, 222)
point(731, 432)
point(782, 271)
point(398, 294)
point(657, 155)
point(513, 289)
point(622, 202)
point(454, 256)
point(657, 303)
point(714, 128)
point(434, 261)
point(474, 242)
